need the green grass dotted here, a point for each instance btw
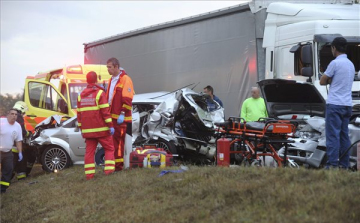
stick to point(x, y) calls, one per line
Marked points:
point(201, 194)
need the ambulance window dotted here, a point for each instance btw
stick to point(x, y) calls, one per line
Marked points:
point(44, 96)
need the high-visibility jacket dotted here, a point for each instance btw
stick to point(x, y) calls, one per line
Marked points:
point(93, 114)
point(122, 97)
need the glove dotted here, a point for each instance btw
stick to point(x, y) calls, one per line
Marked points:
point(112, 131)
point(20, 156)
point(120, 119)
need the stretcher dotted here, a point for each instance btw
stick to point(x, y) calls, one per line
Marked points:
point(253, 140)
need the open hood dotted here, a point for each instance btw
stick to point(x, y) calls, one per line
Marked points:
point(285, 97)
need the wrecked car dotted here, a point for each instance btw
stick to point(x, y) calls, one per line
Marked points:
point(302, 102)
point(180, 122)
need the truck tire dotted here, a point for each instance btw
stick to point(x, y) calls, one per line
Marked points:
point(55, 158)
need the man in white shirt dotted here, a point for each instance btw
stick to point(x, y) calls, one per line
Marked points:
point(10, 131)
point(340, 75)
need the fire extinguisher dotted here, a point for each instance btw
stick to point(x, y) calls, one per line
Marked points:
point(223, 152)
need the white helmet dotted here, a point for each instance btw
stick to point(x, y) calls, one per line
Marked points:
point(21, 106)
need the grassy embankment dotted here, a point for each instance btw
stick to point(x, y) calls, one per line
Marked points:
point(201, 194)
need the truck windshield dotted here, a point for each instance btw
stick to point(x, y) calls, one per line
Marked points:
point(75, 89)
point(352, 51)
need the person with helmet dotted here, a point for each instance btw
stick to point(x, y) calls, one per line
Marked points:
point(22, 168)
point(120, 94)
point(96, 126)
point(10, 131)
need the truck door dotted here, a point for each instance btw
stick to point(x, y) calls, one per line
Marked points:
point(43, 100)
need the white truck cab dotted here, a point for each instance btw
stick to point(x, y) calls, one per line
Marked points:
point(297, 40)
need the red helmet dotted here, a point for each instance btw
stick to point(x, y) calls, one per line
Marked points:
point(91, 77)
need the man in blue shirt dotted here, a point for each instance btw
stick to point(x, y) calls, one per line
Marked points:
point(210, 91)
point(340, 76)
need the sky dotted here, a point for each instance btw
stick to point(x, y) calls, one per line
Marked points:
point(44, 35)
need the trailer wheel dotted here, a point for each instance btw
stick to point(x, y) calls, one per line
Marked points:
point(55, 158)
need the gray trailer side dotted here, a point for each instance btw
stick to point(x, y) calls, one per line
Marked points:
point(221, 49)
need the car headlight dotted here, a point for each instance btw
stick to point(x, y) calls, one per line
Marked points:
point(308, 135)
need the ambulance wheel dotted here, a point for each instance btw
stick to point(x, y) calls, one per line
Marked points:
point(168, 146)
point(100, 157)
point(54, 158)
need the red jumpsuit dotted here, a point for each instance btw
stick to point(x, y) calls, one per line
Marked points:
point(121, 101)
point(94, 120)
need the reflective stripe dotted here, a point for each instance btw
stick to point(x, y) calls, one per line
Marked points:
point(89, 165)
point(89, 171)
point(14, 150)
point(95, 130)
point(22, 175)
point(79, 124)
point(127, 107)
point(114, 116)
point(4, 183)
point(109, 168)
point(104, 106)
point(107, 120)
point(98, 97)
point(109, 161)
point(92, 108)
point(79, 98)
point(119, 160)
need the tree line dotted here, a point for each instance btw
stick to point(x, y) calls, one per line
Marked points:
point(7, 101)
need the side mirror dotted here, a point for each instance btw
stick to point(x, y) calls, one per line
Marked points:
point(307, 71)
point(77, 129)
point(306, 55)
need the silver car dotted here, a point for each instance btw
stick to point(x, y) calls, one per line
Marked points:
point(178, 121)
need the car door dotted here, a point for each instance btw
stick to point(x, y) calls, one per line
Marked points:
point(43, 100)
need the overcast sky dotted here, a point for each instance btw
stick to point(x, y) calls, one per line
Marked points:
point(43, 35)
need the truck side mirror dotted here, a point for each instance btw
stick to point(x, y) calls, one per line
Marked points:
point(307, 71)
point(306, 55)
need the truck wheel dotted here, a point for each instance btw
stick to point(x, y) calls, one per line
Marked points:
point(54, 158)
point(100, 157)
point(168, 146)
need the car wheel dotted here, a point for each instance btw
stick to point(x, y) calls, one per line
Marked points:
point(168, 146)
point(54, 158)
point(100, 157)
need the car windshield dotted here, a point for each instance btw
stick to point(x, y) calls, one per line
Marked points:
point(202, 101)
point(75, 89)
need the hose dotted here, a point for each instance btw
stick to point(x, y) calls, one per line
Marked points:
point(347, 150)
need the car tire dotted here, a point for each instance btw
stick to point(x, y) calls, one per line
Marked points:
point(168, 146)
point(55, 158)
point(100, 157)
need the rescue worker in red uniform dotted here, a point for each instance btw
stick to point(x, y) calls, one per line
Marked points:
point(120, 94)
point(96, 126)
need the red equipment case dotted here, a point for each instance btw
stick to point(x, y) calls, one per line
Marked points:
point(151, 157)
